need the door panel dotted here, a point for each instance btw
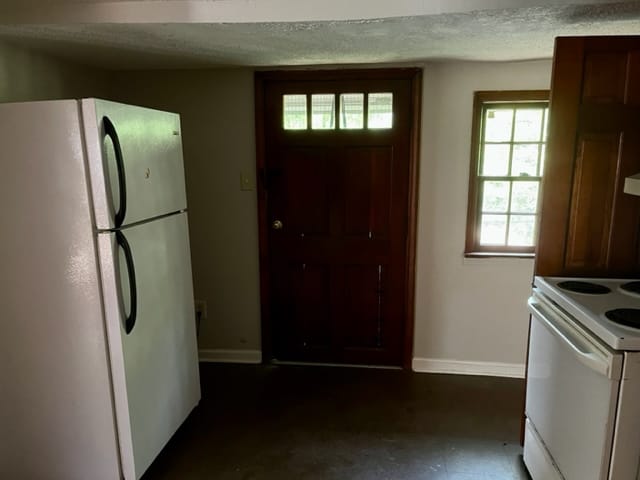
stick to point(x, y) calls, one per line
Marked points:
point(367, 180)
point(337, 263)
point(151, 149)
point(155, 366)
point(364, 306)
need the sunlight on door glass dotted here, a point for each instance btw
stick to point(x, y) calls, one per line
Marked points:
point(294, 108)
point(380, 110)
point(351, 110)
point(323, 108)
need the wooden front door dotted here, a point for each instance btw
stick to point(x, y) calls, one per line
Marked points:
point(336, 156)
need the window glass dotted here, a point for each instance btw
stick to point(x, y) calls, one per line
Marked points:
point(495, 160)
point(294, 108)
point(528, 125)
point(509, 157)
point(498, 124)
point(380, 113)
point(323, 108)
point(351, 110)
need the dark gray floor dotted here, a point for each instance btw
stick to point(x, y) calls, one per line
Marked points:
point(286, 422)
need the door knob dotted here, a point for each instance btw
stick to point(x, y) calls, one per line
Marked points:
point(276, 225)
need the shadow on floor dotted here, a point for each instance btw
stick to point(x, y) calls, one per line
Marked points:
point(324, 423)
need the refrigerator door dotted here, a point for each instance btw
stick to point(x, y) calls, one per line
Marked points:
point(148, 292)
point(135, 162)
point(56, 408)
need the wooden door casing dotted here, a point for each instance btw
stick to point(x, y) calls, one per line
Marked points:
point(588, 225)
point(337, 279)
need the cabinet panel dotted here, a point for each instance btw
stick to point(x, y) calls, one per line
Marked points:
point(592, 201)
point(605, 77)
point(588, 225)
point(633, 79)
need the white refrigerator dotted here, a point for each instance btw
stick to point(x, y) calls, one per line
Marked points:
point(98, 357)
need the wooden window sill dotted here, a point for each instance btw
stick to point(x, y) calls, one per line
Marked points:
point(498, 254)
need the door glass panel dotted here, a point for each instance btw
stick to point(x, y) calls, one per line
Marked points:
point(380, 110)
point(351, 110)
point(493, 229)
point(495, 160)
point(294, 108)
point(323, 108)
point(498, 123)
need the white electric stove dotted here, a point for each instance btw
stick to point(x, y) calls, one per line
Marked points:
point(583, 381)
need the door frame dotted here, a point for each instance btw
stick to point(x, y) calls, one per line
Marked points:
point(262, 78)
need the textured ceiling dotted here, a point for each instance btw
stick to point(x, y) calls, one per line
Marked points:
point(506, 34)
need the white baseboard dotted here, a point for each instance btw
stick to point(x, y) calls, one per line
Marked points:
point(490, 369)
point(230, 356)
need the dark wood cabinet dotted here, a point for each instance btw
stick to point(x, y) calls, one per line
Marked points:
point(588, 225)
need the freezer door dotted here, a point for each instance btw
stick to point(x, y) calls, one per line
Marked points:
point(135, 162)
point(572, 389)
point(146, 273)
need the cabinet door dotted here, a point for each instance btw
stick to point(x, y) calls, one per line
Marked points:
point(589, 226)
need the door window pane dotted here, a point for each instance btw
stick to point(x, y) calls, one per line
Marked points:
point(294, 108)
point(498, 123)
point(323, 107)
point(495, 160)
point(495, 197)
point(351, 110)
point(528, 125)
point(521, 229)
point(380, 110)
point(493, 229)
point(524, 197)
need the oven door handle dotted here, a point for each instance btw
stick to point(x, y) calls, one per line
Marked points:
point(595, 360)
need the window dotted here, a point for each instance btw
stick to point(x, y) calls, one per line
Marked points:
point(507, 162)
point(356, 111)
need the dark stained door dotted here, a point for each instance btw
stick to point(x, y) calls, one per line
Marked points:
point(336, 218)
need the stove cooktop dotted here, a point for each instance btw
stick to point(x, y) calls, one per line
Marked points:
point(610, 308)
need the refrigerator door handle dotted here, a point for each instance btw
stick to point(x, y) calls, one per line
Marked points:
point(110, 131)
point(130, 320)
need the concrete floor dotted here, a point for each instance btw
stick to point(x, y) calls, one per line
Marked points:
point(291, 422)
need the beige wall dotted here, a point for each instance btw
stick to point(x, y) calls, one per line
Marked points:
point(470, 313)
point(25, 76)
point(216, 109)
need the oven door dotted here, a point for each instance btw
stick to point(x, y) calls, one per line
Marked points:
point(572, 390)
